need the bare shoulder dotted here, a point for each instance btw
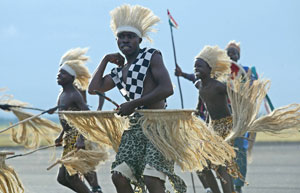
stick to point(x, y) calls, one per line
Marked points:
point(220, 86)
point(79, 100)
point(76, 96)
point(156, 58)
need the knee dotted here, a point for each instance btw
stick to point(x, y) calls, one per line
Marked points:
point(61, 179)
point(118, 179)
point(153, 181)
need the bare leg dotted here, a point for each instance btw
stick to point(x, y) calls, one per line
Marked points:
point(77, 184)
point(72, 182)
point(227, 186)
point(121, 183)
point(91, 177)
point(202, 178)
point(62, 179)
point(208, 180)
point(154, 185)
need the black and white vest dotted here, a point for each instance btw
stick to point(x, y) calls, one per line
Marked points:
point(133, 88)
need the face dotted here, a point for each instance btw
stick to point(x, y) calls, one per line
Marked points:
point(201, 68)
point(63, 77)
point(233, 54)
point(128, 42)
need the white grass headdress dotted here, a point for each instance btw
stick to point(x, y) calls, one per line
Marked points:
point(73, 61)
point(234, 44)
point(136, 19)
point(217, 59)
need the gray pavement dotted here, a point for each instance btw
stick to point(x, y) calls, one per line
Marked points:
point(275, 169)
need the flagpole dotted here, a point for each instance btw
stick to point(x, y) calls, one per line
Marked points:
point(175, 60)
point(179, 86)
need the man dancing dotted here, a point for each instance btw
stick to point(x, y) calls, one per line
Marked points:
point(211, 64)
point(73, 76)
point(240, 143)
point(233, 51)
point(145, 83)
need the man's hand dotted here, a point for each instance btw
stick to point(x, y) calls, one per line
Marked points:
point(80, 142)
point(5, 107)
point(126, 109)
point(52, 110)
point(178, 71)
point(115, 58)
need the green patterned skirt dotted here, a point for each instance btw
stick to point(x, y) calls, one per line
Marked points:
point(137, 152)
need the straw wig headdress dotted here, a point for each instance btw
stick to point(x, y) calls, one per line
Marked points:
point(217, 60)
point(73, 61)
point(234, 44)
point(136, 19)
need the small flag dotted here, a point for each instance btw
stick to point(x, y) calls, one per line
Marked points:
point(172, 22)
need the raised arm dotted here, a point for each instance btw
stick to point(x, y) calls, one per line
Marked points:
point(100, 83)
point(190, 77)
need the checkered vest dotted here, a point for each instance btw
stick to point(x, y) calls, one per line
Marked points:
point(133, 88)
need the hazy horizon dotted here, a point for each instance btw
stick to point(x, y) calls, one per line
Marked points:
point(35, 34)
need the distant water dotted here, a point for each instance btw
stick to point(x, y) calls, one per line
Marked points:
point(8, 117)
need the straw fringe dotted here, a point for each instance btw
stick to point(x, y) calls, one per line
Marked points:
point(75, 54)
point(283, 118)
point(31, 132)
point(9, 181)
point(76, 59)
point(8, 99)
point(136, 16)
point(182, 137)
point(245, 103)
point(102, 127)
point(246, 100)
point(218, 60)
point(83, 161)
point(179, 135)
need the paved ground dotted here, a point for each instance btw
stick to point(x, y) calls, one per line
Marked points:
point(275, 169)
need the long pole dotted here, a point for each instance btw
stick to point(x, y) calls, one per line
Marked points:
point(181, 97)
point(175, 60)
point(107, 98)
point(28, 153)
point(30, 118)
point(8, 106)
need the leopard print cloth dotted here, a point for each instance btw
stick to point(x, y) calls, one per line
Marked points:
point(137, 151)
point(69, 140)
point(222, 126)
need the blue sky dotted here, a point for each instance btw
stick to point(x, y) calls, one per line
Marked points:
point(34, 35)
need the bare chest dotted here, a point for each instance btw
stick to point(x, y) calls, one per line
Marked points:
point(207, 93)
point(65, 100)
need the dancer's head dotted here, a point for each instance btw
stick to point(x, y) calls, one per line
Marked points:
point(212, 60)
point(233, 50)
point(130, 24)
point(72, 68)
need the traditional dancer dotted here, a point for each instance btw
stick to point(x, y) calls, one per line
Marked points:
point(233, 51)
point(245, 97)
point(240, 143)
point(213, 62)
point(74, 54)
point(145, 83)
point(73, 72)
